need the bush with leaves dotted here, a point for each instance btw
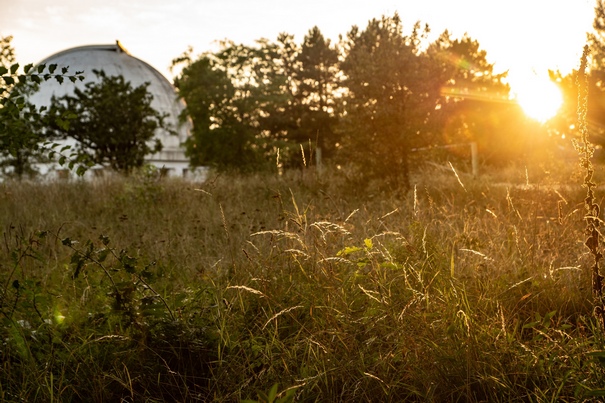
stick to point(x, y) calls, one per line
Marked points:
point(112, 122)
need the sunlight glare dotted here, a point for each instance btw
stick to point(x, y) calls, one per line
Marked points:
point(538, 96)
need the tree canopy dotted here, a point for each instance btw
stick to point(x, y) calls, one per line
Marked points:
point(565, 124)
point(392, 97)
point(247, 102)
point(366, 102)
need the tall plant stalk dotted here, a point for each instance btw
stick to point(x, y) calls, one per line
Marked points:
point(593, 210)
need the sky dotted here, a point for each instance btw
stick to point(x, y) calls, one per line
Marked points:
point(522, 36)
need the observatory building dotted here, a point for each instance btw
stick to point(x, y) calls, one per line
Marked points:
point(114, 60)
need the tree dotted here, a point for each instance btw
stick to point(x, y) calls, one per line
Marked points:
point(566, 122)
point(267, 77)
point(113, 123)
point(21, 139)
point(393, 91)
point(250, 104)
point(316, 83)
point(225, 123)
point(596, 80)
point(238, 99)
point(402, 95)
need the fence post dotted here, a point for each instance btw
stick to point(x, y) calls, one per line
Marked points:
point(474, 159)
point(318, 160)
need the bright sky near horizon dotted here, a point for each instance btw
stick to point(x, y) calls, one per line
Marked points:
point(523, 36)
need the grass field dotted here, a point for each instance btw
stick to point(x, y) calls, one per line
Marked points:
point(462, 289)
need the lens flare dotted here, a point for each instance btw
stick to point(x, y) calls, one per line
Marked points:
point(539, 97)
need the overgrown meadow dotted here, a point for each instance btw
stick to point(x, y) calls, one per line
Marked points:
point(301, 287)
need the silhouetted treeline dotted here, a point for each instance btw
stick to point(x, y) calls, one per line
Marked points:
point(366, 102)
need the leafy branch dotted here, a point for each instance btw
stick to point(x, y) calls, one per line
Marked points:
point(36, 74)
point(21, 134)
point(81, 257)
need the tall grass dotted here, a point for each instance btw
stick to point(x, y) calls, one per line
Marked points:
point(156, 290)
point(593, 209)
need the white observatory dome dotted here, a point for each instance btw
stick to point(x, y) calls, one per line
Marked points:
point(114, 60)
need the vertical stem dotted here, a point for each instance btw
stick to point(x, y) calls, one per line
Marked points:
point(593, 210)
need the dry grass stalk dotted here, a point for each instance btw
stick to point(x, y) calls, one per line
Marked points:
point(593, 210)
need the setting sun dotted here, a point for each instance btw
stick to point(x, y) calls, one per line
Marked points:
point(539, 97)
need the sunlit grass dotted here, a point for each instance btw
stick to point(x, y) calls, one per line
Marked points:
point(448, 293)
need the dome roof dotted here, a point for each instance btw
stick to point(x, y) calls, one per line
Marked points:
point(114, 60)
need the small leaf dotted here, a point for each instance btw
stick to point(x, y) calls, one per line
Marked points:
point(129, 263)
point(348, 250)
point(272, 393)
point(596, 392)
point(530, 325)
point(63, 124)
point(8, 80)
point(81, 170)
point(79, 266)
point(368, 243)
point(14, 68)
point(28, 68)
point(104, 239)
point(75, 258)
point(41, 68)
point(64, 70)
point(102, 254)
point(52, 68)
